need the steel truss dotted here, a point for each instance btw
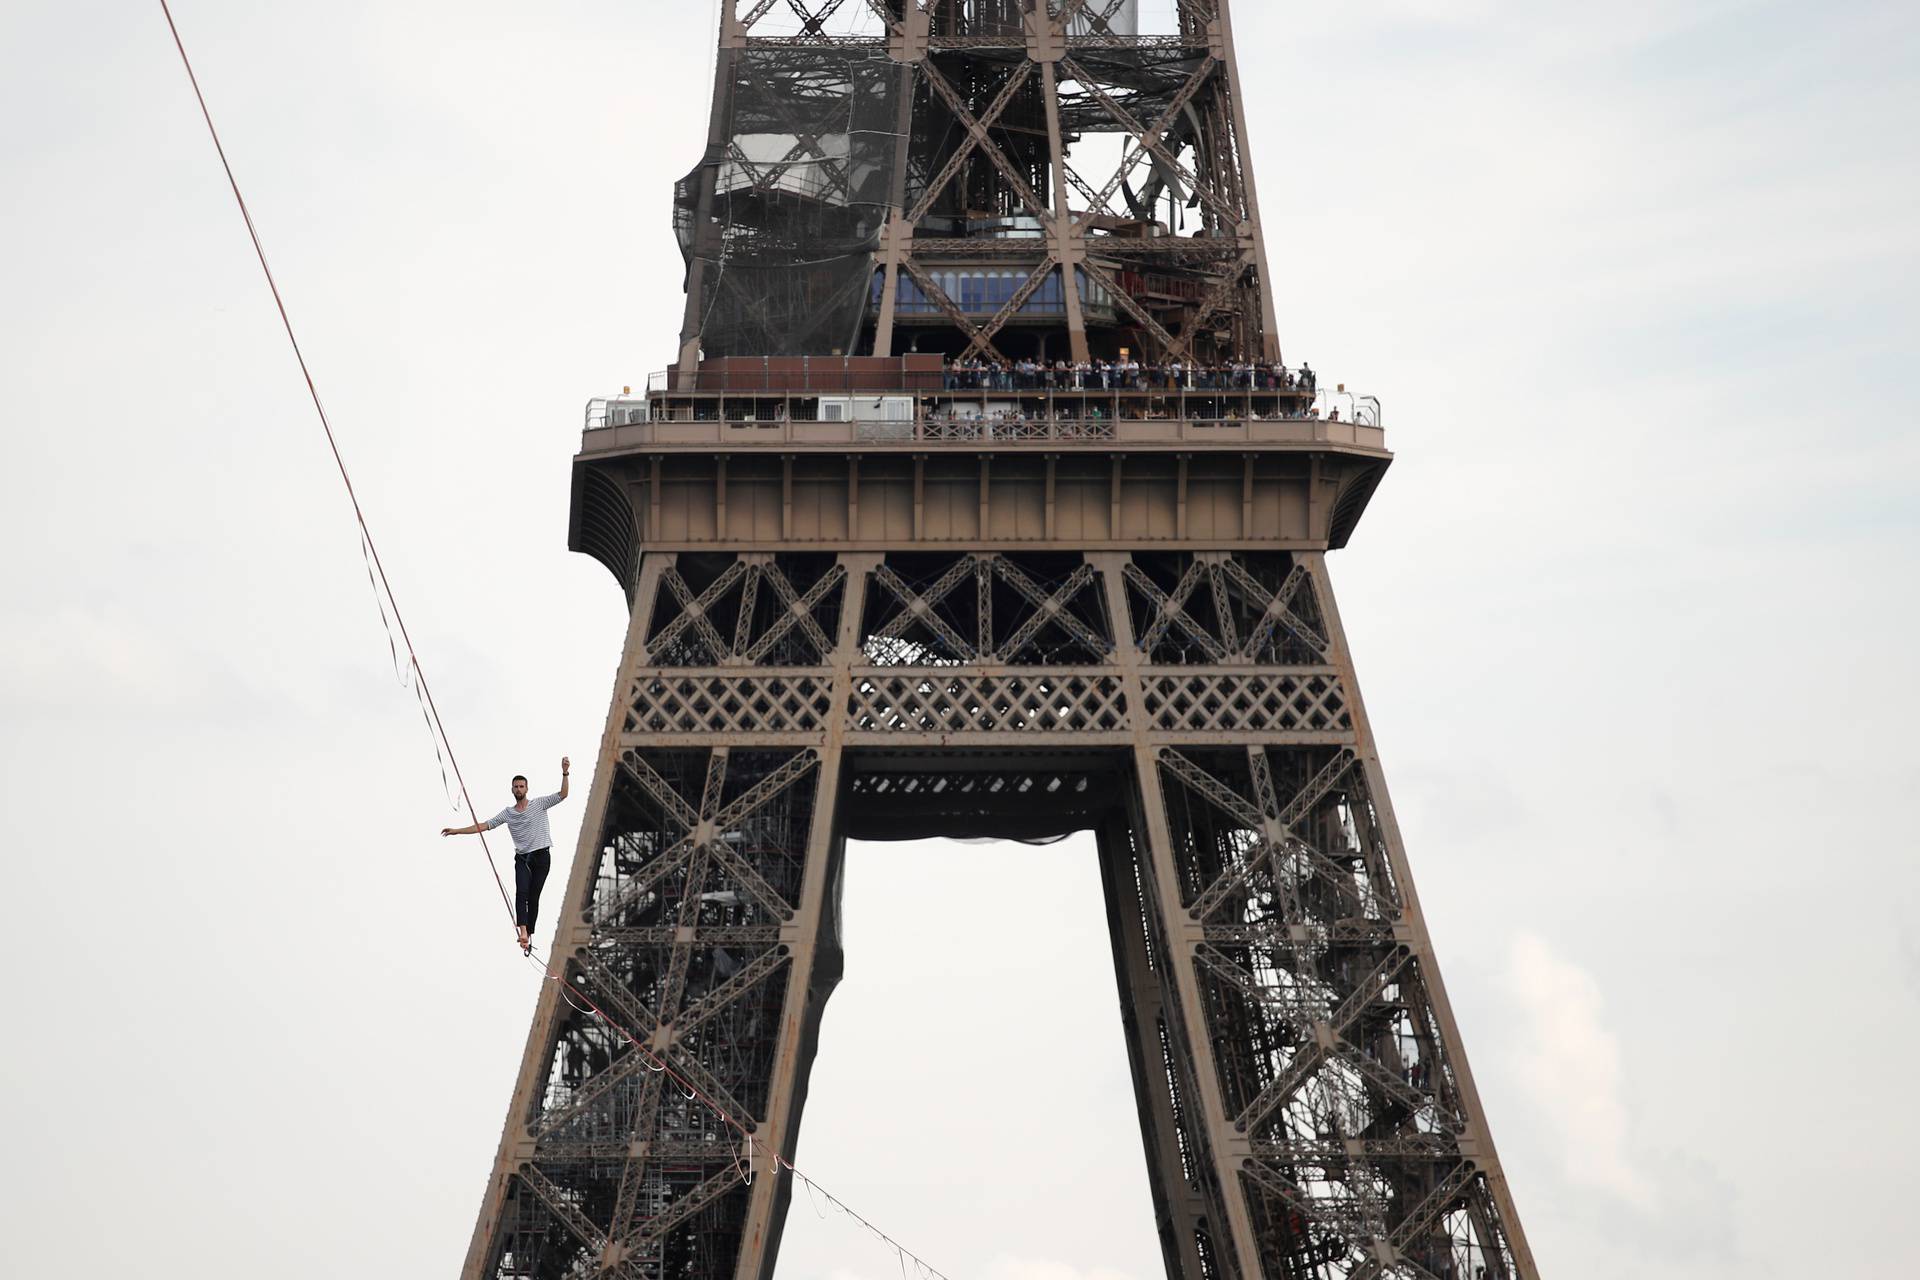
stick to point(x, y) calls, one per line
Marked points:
point(1305, 1104)
point(1093, 636)
point(861, 152)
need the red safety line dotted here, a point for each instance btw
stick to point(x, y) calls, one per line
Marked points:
point(569, 990)
point(413, 658)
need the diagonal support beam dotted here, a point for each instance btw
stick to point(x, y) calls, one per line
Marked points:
point(976, 138)
point(659, 790)
point(554, 1197)
point(1214, 791)
point(1148, 139)
point(1303, 801)
point(991, 149)
point(1312, 1057)
point(1170, 611)
point(919, 607)
point(749, 879)
point(590, 1094)
point(760, 10)
point(1394, 1087)
point(751, 975)
point(636, 1018)
point(983, 338)
point(1445, 1193)
point(1277, 608)
point(799, 613)
point(696, 1199)
point(948, 307)
point(1126, 303)
point(693, 610)
point(673, 859)
point(720, 1098)
point(798, 766)
point(1049, 607)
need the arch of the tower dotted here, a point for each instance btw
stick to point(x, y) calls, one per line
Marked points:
point(1302, 1106)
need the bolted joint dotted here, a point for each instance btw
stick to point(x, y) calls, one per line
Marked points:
point(1046, 40)
point(908, 42)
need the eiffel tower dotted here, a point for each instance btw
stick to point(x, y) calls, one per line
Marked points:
point(980, 502)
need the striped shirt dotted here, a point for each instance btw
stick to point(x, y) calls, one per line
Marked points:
point(528, 825)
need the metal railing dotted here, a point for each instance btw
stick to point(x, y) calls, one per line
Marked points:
point(943, 428)
point(1011, 430)
point(615, 411)
point(1042, 406)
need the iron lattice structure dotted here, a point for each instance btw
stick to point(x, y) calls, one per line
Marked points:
point(974, 177)
point(1058, 611)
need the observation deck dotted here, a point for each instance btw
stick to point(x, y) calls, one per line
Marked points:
point(870, 453)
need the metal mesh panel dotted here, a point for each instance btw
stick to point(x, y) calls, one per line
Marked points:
point(800, 193)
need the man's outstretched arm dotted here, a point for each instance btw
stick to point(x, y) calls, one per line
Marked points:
point(473, 830)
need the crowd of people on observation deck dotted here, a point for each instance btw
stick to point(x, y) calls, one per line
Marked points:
point(967, 412)
point(1125, 374)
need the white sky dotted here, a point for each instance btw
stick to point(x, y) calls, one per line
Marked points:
point(1633, 611)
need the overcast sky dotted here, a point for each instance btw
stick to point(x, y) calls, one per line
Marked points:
point(1634, 612)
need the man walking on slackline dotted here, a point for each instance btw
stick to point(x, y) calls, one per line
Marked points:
point(532, 848)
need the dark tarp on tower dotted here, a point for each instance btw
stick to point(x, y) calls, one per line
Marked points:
point(801, 186)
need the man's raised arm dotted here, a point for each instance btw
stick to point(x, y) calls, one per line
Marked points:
point(563, 779)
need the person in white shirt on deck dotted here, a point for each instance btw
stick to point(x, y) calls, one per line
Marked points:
point(526, 820)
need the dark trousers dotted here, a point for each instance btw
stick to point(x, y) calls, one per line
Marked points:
point(529, 875)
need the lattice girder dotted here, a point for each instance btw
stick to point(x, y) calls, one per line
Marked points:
point(1305, 1104)
point(956, 107)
